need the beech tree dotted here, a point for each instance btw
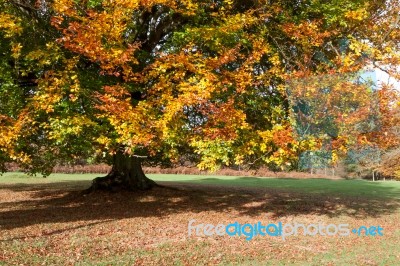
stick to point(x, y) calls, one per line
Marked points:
point(124, 80)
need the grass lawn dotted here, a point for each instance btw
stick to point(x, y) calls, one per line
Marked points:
point(48, 221)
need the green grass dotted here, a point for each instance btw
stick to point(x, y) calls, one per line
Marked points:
point(24, 178)
point(362, 188)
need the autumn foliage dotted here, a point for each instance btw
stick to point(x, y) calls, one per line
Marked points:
point(213, 82)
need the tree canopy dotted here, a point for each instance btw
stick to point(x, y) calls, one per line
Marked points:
point(214, 82)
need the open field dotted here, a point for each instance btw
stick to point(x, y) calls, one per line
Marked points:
point(49, 221)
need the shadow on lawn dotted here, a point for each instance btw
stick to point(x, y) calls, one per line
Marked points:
point(63, 202)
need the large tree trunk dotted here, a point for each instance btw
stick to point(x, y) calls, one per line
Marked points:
point(126, 173)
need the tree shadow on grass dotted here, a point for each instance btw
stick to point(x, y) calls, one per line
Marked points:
point(63, 202)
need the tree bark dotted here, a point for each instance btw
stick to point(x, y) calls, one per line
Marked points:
point(126, 174)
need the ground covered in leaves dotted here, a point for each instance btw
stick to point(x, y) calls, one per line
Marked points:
point(48, 223)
